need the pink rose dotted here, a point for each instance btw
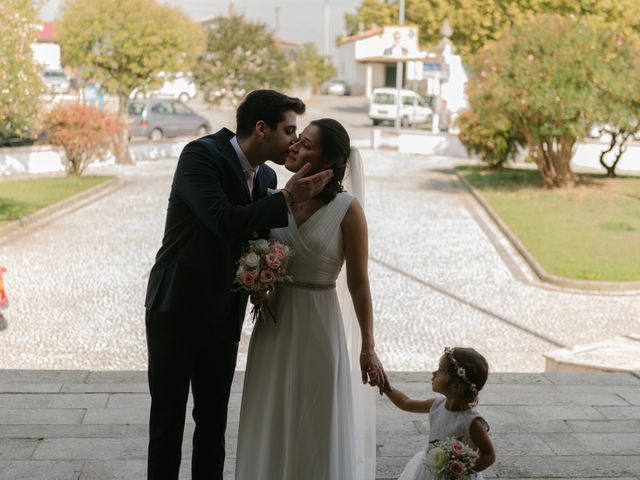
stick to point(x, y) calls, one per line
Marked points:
point(267, 276)
point(280, 251)
point(457, 447)
point(247, 278)
point(457, 468)
point(272, 260)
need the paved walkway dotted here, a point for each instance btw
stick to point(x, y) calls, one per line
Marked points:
point(440, 273)
point(81, 425)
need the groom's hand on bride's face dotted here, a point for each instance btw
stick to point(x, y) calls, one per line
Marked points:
point(303, 188)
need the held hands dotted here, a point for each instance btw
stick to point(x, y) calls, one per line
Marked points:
point(373, 371)
point(301, 188)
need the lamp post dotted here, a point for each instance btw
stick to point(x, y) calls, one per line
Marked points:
point(399, 74)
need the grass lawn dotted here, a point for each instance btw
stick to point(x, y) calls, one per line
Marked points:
point(590, 232)
point(23, 197)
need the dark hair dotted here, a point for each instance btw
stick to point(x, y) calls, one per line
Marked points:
point(335, 146)
point(476, 370)
point(266, 105)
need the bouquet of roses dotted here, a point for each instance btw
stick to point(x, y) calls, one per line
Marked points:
point(262, 268)
point(451, 459)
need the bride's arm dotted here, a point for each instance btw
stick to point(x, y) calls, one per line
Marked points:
point(356, 249)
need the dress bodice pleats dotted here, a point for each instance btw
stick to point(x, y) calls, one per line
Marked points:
point(317, 243)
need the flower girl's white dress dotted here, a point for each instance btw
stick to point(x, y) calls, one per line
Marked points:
point(443, 424)
point(297, 415)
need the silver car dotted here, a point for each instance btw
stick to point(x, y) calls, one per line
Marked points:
point(157, 118)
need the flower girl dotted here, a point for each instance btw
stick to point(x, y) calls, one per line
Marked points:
point(459, 445)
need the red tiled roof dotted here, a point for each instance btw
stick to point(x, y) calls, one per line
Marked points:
point(286, 43)
point(47, 32)
point(360, 35)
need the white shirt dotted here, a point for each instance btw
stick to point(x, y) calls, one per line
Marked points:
point(244, 163)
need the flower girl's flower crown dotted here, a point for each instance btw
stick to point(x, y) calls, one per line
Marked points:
point(462, 373)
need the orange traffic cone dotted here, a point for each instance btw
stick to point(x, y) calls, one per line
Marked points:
point(4, 300)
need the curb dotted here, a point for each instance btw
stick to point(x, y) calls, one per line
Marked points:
point(17, 227)
point(582, 285)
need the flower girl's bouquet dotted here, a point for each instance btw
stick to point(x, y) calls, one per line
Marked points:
point(262, 268)
point(451, 459)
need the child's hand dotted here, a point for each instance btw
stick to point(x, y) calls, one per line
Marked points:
point(375, 377)
point(373, 371)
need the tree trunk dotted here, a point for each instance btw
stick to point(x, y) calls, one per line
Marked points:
point(553, 159)
point(122, 152)
point(612, 144)
point(624, 137)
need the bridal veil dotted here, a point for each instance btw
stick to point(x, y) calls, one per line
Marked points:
point(364, 396)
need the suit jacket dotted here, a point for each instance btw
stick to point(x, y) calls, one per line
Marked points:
point(209, 219)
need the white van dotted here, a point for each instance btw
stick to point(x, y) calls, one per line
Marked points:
point(180, 86)
point(413, 110)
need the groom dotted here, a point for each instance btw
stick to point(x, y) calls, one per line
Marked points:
point(193, 318)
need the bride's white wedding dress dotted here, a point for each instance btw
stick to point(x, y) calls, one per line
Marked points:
point(297, 416)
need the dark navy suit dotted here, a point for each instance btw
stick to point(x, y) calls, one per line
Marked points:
point(193, 318)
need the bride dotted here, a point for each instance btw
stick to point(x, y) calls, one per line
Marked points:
point(297, 419)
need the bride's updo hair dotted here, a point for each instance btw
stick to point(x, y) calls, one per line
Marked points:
point(335, 146)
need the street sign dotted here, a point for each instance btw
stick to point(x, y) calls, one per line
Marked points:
point(415, 70)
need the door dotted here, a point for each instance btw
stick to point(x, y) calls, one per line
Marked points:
point(163, 116)
point(186, 122)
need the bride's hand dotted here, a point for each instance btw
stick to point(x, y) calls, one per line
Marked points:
point(373, 371)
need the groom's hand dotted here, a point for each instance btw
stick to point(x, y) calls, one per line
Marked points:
point(300, 188)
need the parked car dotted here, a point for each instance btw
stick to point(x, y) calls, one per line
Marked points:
point(335, 86)
point(180, 87)
point(157, 118)
point(56, 81)
point(413, 109)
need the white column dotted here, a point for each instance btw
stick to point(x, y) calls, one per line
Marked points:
point(369, 80)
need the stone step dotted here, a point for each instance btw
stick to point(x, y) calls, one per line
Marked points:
point(617, 354)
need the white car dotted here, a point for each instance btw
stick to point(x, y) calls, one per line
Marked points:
point(56, 81)
point(181, 87)
point(413, 109)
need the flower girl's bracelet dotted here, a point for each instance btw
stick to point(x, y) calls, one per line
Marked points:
point(368, 354)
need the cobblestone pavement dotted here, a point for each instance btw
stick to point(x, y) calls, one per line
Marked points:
point(76, 285)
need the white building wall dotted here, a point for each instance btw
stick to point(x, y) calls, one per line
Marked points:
point(346, 64)
point(47, 54)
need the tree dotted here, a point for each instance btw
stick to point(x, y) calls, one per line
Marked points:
point(20, 77)
point(240, 56)
point(124, 44)
point(372, 13)
point(488, 133)
point(540, 76)
point(617, 86)
point(476, 22)
point(311, 67)
point(84, 132)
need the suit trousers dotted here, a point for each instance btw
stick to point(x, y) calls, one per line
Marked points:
point(187, 351)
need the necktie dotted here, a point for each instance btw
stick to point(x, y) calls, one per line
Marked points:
point(250, 175)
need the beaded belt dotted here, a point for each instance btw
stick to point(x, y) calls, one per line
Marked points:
point(312, 286)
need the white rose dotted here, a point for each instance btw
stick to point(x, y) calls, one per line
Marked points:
point(252, 260)
point(262, 245)
point(436, 459)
